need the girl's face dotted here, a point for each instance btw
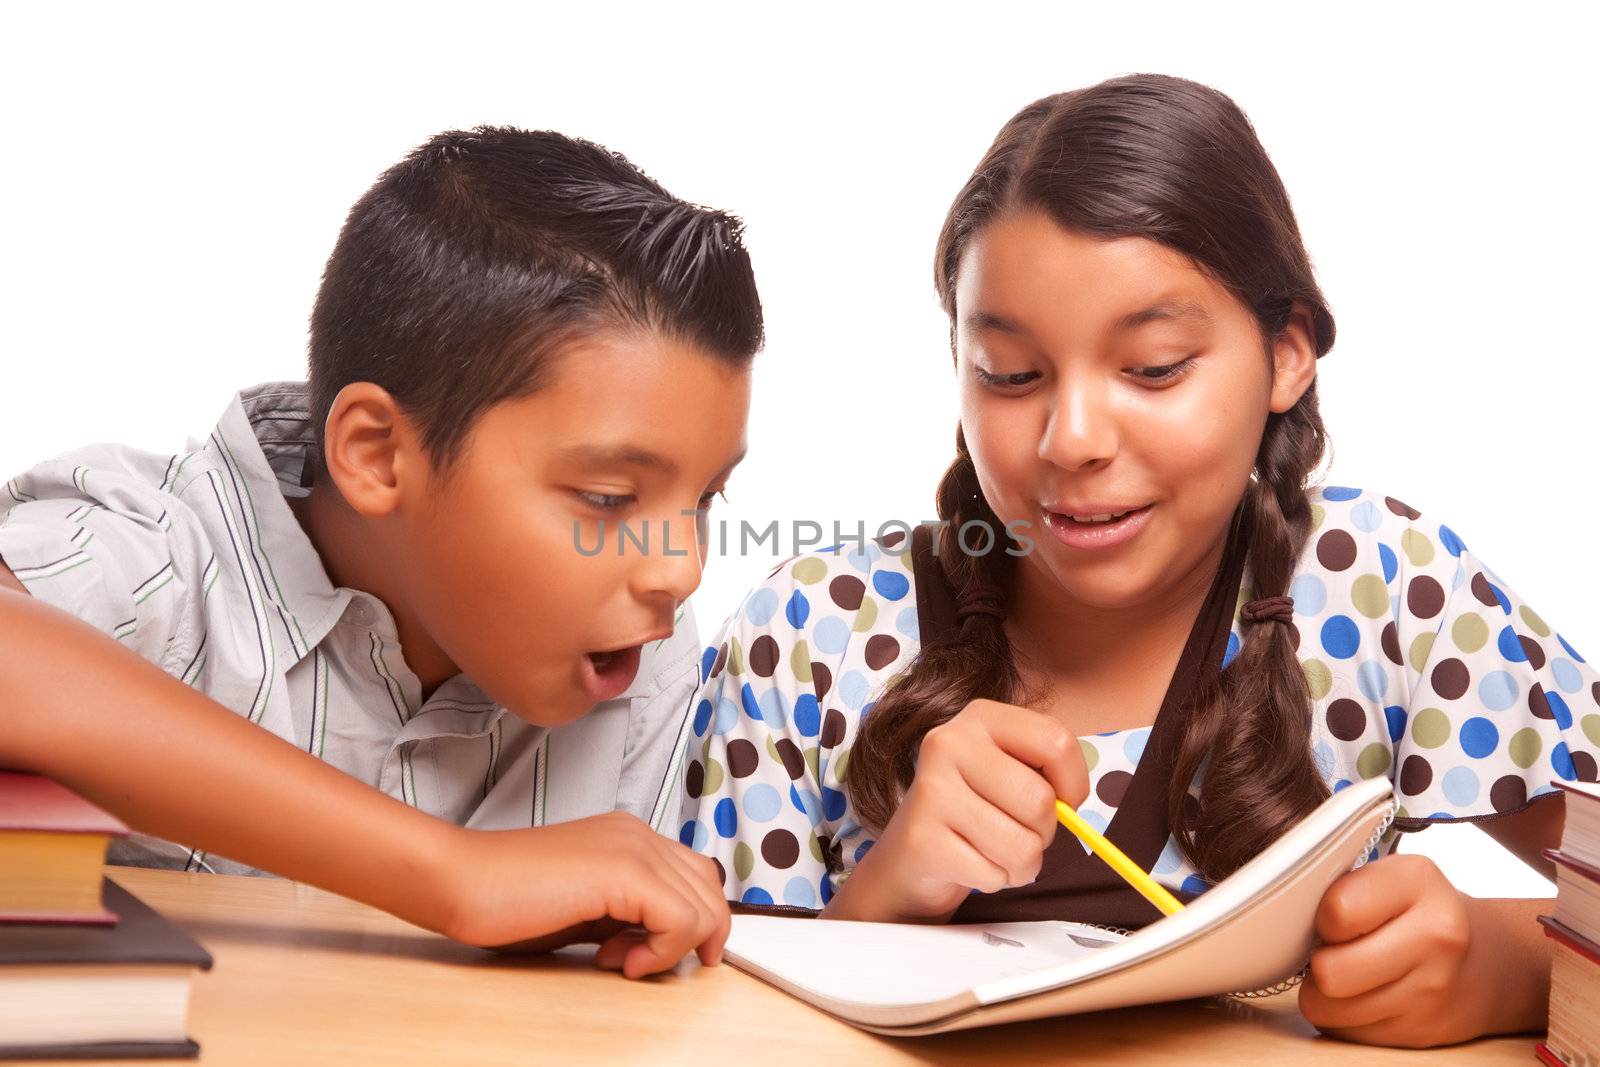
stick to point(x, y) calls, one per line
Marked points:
point(1113, 397)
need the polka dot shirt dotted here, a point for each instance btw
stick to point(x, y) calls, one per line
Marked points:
point(1423, 666)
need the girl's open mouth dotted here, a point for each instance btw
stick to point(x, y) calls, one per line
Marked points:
point(1100, 530)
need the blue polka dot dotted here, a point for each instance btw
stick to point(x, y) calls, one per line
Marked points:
point(826, 885)
point(708, 659)
point(1231, 652)
point(774, 709)
point(756, 895)
point(906, 623)
point(1479, 737)
point(1559, 709)
point(1322, 756)
point(831, 635)
point(1340, 637)
point(1343, 783)
point(1364, 516)
point(747, 698)
point(1396, 717)
point(833, 804)
point(762, 605)
point(1461, 786)
point(1452, 544)
point(1339, 492)
point(806, 803)
point(1391, 562)
point(799, 893)
point(862, 560)
point(807, 715)
point(1373, 681)
point(702, 717)
point(1093, 818)
point(1133, 747)
point(1310, 595)
point(694, 835)
point(1561, 762)
point(798, 610)
point(761, 803)
point(1500, 595)
point(891, 585)
point(1568, 678)
point(863, 848)
point(1498, 690)
point(1510, 647)
point(853, 689)
point(726, 817)
point(727, 717)
point(1570, 650)
point(1170, 860)
point(1194, 885)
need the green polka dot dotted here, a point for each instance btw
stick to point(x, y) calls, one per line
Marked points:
point(840, 763)
point(1370, 596)
point(1525, 746)
point(1430, 728)
point(1417, 546)
point(713, 778)
point(1421, 649)
point(1091, 755)
point(735, 657)
point(1591, 728)
point(816, 848)
point(1373, 761)
point(772, 749)
point(810, 570)
point(1470, 632)
point(866, 616)
point(1536, 624)
point(906, 561)
point(1401, 813)
point(1318, 513)
point(744, 860)
point(811, 761)
point(800, 661)
point(1318, 678)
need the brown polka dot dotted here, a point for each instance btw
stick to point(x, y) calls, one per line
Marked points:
point(882, 650)
point(1537, 704)
point(1451, 678)
point(1391, 645)
point(1584, 765)
point(1112, 787)
point(1425, 597)
point(694, 780)
point(1533, 650)
point(742, 758)
point(1402, 509)
point(763, 655)
point(1481, 590)
point(821, 679)
point(793, 761)
point(847, 591)
point(780, 848)
point(722, 872)
point(1336, 550)
point(1416, 773)
point(832, 728)
point(1347, 720)
point(892, 538)
point(1508, 793)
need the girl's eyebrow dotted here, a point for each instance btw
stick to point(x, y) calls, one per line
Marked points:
point(1168, 310)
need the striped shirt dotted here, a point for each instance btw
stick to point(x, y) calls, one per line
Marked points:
point(196, 562)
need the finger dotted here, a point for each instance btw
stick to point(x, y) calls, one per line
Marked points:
point(1013, 787)
point(1364, 899)
point(614, 952)
point(1042, 743)
point(701, 875)
point(1004, 842)
point(1336, 1014)
point(666, 907)
point(1369, 962)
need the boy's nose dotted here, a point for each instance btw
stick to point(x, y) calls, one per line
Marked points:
point(674, 564)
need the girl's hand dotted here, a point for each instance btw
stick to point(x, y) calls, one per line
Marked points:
point(1401, 962)
point(979, 815)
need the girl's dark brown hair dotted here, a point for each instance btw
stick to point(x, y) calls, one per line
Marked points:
point(1178, 163)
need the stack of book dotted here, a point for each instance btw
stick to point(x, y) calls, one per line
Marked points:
point(1574, 1037)
point(86, 969)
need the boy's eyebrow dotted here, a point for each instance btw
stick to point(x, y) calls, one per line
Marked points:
point(618, 456)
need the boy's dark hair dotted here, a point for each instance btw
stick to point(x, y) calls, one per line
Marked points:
point(468, 262)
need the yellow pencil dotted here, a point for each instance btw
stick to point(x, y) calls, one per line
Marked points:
point(1118, 861)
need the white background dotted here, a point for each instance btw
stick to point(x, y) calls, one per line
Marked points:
point(175, 176)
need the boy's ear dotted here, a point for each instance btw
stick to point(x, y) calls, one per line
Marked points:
point(1294, 361)
point(371, 449)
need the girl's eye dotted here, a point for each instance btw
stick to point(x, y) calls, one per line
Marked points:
point(1166, 372)
point(604, 501)
point(1005, 381)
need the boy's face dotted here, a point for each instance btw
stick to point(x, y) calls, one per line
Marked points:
point(503, 571)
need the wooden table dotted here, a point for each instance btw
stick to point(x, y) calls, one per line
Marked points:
point(304, 977)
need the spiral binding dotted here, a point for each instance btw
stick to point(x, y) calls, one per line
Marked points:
point(1361, 861)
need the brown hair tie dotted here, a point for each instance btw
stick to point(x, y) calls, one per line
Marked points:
point(980, 598)
point(1269, 609)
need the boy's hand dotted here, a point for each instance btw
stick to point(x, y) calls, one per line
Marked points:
point(1400, 963)
point(978, 815)
point(599, 879)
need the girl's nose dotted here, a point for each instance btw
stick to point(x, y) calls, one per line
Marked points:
point(1082, 429)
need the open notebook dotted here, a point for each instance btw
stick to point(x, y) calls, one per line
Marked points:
point(1247, 932)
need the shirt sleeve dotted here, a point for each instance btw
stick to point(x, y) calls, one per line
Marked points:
point(111, 549)
point(1500, 704)
point(785, 685)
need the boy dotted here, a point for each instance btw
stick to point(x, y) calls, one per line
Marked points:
point(519, 341)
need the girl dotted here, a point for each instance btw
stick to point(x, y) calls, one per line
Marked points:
point(1136, 603)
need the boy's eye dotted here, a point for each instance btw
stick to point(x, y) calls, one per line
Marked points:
point(1004, 381)
point(604, 501)
point(1164, 372)
point(709, 497)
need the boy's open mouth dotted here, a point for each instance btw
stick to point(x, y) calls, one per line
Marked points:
point(607, 674)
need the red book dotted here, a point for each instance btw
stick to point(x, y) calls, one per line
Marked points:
point(1542, 1050)
point(52, 852)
